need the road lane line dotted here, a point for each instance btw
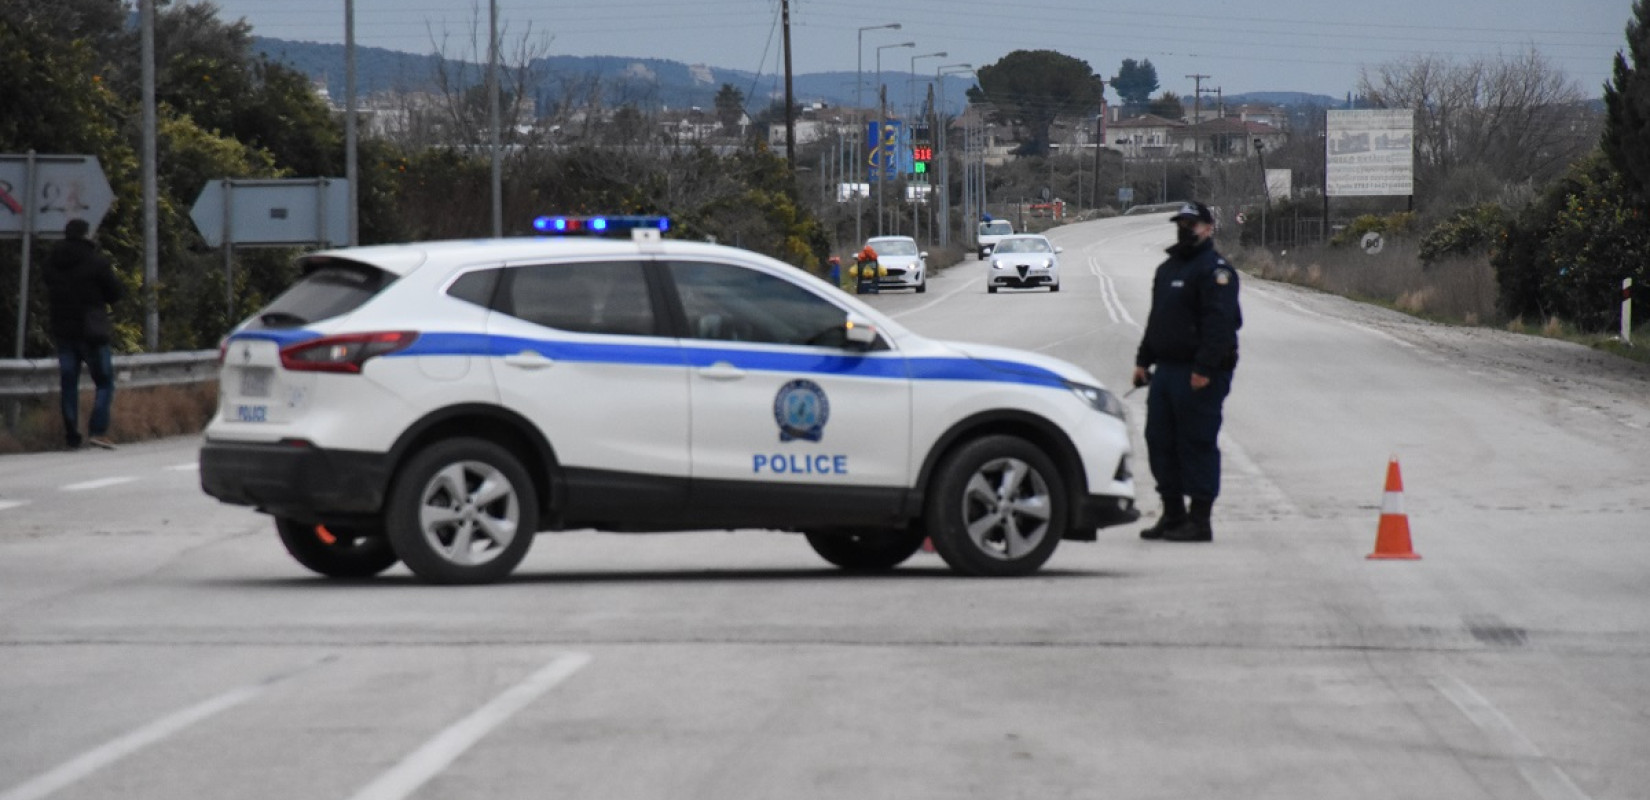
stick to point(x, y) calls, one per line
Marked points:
point(97, 484)
point(1548, 781)
point(74, 770)
point(965, 286)
point(193, 465)
point(439, 752)
point(6, 505)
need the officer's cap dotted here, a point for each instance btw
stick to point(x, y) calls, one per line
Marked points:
point(1194, 210)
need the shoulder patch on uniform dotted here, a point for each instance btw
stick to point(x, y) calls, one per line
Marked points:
point(1223, 276)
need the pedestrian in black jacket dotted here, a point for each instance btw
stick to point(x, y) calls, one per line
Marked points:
point(1187, 355)
point(81, 285)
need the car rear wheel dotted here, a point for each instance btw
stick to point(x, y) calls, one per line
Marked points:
point(462, 511)
point(336, 552)
point(997, 508)
point(869, 550)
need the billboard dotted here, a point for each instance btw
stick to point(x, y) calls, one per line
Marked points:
point(887, 150)
point(1370, 153)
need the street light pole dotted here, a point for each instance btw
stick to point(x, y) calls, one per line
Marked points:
point(882, 123)
point(859, 109)
point(859, 70)
point(911, 82)
point(940, 141)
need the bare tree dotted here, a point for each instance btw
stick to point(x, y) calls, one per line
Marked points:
point(1517, 118)
point(462, 82)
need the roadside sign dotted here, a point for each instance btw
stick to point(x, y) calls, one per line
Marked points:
point(64, 187)
point(273, 212)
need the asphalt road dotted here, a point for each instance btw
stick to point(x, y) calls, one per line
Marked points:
point(154, 643)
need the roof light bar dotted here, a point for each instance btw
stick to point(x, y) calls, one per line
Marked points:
point(598, 226)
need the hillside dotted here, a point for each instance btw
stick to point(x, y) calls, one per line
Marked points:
point(645, 82)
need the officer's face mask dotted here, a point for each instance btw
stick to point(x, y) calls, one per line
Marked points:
point(1186, 233)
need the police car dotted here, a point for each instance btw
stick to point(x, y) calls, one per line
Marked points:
point(438, 404)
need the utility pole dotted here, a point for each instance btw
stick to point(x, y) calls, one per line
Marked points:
point(790, 104)
point(1197, 106)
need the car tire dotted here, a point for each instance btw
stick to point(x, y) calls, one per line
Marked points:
point(990, 290)
point(922, 287)
point(462, 511)
point(867, 550)
point(997, 508)
point(1054, 288)
point(336, 552)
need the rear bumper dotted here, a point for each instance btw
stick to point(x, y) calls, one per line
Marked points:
point(294, 479)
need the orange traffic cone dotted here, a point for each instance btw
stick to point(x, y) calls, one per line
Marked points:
point(1392, 538)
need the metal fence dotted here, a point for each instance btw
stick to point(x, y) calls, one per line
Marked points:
point(37, 377)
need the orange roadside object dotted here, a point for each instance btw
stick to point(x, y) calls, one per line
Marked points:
point(1392, 536)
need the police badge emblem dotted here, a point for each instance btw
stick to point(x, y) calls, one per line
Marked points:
point(801, 410)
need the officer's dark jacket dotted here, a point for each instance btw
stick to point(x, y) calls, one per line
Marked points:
point(78, 277)
point(1195, 315)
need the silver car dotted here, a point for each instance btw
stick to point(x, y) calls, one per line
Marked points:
point(906, 266)
point(1024, 261)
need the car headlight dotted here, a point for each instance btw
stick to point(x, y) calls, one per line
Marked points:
point(997, 265)
point(1047, 264)
point(1103, 401)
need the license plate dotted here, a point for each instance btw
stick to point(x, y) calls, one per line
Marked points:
point(255, 382)
point(245, 413)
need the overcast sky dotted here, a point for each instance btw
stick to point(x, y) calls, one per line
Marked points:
point(1241, 45)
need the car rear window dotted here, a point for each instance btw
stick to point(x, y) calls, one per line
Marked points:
point(335, 288)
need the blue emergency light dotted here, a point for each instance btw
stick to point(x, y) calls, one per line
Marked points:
point(598, 226)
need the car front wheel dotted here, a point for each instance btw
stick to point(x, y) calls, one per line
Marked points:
point(870, 550)
point(997, 508)
point(462, 511)
point(336, 552)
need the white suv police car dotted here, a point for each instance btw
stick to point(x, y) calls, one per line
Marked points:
point(438, 404)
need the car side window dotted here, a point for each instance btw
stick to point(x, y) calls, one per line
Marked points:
point(475, 287)
point(588, 297)
point(729, 303)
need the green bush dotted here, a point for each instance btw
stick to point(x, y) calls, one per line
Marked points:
point(1399, 224)
point(1468, 232)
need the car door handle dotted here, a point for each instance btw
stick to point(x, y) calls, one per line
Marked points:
point(529, 359)
point(721, 371)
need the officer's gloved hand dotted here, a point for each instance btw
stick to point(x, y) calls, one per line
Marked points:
point(1141, 377)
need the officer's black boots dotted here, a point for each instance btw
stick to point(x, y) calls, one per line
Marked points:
point(1197, 527)
point(1174, 516)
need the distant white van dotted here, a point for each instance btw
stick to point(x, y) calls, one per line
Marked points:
point(990, 233)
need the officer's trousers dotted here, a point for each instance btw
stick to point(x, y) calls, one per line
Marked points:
point(1182, 426)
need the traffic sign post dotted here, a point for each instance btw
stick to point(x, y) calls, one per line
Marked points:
point(233, 212)
point(39, 194)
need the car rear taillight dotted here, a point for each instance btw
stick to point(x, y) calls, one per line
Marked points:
point(344, 353)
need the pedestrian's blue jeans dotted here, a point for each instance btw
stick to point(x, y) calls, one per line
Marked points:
point(70, 354)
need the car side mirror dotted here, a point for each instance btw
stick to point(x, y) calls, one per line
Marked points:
point(859, 332)
point(923, 254)
point(1059, 249)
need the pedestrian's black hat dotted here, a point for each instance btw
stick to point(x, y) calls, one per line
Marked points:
point(1194, 210)
point(77, 229)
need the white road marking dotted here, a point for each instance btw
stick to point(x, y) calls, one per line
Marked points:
point(97, 484)
point(428, 761)
point(963, 287)
point(189, 467)
point(6, 505)
point(1548, 781)
point(1108, 294)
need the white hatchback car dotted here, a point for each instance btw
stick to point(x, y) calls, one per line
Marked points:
point(438, 404)
point(905, 265)
point(1024, 261)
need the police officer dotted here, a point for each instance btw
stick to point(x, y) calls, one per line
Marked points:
point(1187, 355)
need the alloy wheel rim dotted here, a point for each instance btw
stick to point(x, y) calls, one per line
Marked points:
point(469, 513)
point(1006, 508)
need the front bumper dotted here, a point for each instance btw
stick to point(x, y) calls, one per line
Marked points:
point(1023, 277)
point(294, 478)
point(1101, 511)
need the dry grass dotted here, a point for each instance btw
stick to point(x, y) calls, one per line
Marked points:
point(1456, 290)
point(138, 414)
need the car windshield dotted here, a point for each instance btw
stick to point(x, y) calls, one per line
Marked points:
point(1027, 245)
point(996, 228)
point(895, 247)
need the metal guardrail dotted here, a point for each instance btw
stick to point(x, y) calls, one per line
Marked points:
point(37, 377)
